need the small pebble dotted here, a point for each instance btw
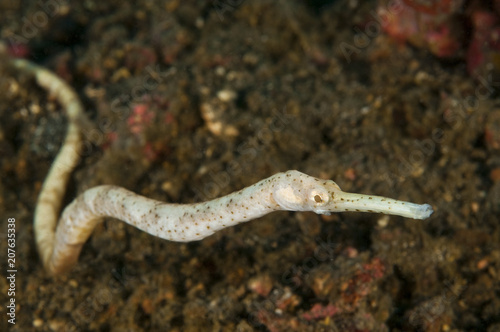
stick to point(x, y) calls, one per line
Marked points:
point(147, 306)
point(483, 263)
point(262, 285)
point(226, 95)
point(220, 71)
point(422, 77)
point(351, 252)
point(495, 174)
point(474, 207)
point(350, 174)
point(383, 221)
point(57, 325)
point(37, 322)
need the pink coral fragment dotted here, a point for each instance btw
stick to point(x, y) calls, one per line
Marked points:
point(319, 311)
point(139, 118)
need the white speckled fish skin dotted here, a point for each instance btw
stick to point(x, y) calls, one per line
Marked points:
point(59, 247)
point(292, 190)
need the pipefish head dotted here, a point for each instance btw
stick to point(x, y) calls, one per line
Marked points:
point(297, 191)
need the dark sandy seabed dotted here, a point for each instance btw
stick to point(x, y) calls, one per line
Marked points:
point(225, 96)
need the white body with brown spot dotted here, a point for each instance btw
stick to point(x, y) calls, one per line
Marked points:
point(292, 190)
point(59, 248)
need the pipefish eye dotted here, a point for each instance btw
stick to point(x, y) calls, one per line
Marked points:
point(319, 197)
